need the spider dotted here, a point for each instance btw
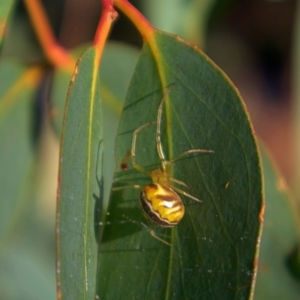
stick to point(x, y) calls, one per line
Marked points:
point(159, 200)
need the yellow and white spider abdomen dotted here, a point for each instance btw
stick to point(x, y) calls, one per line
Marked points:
point(162, 205)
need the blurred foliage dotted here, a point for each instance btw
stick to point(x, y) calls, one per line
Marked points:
point(33, 95)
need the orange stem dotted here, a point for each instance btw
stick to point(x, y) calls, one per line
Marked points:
point(56, 54)
point(140, 22)
point(108, 15)
point(146, 30)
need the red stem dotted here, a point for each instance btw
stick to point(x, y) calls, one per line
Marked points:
point(56, 54)
point(141, 23)
point(108, 15)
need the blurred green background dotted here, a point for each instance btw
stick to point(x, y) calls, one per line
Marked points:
point(255, 42)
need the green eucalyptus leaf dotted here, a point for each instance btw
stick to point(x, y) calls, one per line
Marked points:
point(58, 93)
point(116, 69)
point(213, 249)
point(79, 182)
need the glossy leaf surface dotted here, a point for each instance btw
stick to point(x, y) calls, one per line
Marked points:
point(116, 69)
point(215, 245)
point(79, 186)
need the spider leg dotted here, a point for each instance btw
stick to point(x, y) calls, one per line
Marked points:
point(133, 147)
point(179, 182)
point(153, 234)
point(158, 127)
point(160, 151)
point(190, 152)
point(132, 186)
point(185, 194)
